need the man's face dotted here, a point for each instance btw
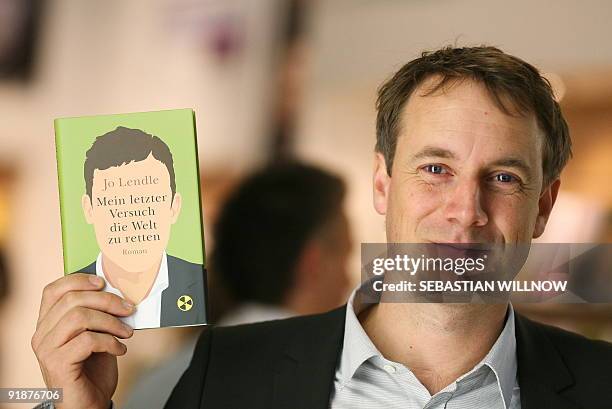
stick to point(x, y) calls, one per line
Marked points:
point(463, 172)
point(132, 211)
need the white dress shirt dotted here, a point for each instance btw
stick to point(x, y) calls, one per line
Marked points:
point(365, 379)
point(148, 311)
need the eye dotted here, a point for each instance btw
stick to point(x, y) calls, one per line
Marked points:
point(435, 169)
point(505, 178)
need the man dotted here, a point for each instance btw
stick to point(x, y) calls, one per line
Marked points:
point(470, 145)
point(282, 242)
point(130, 192)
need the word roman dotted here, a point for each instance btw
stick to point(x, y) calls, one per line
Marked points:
point(137, 251)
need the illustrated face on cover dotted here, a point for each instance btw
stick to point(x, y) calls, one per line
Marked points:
point(130, 199)
point(132, 210)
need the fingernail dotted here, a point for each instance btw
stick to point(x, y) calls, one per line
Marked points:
point(128, 328)
point(95, 280)
point(127, 305)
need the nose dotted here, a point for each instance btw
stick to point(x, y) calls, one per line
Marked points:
point(464, 205)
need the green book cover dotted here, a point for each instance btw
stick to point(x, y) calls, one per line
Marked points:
point(131, 211)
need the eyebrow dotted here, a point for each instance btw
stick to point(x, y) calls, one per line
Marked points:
point(436, 152)
point(516, 163)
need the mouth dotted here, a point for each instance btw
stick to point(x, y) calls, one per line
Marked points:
point(469, 250)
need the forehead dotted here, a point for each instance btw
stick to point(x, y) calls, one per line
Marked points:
point(463, 117)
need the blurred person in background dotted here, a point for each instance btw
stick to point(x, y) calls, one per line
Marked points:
point(282, 242)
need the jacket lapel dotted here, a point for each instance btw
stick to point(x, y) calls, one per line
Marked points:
point(542, 374)
point(304, 375)
point(180, 282)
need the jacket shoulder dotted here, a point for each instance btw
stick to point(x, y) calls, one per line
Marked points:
point(183, 265)
point(570, 344)
point(299, 324)
point(184, 274)
point(258, 341)
point(587, 360)
point(248, 355)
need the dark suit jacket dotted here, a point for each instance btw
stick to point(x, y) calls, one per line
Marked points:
point(184, 278)
point(291, 364)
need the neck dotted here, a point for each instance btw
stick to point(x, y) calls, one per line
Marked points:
point(134, 285)
point(300, 303)
point(438, 342)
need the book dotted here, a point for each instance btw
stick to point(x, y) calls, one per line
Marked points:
point(131, 213)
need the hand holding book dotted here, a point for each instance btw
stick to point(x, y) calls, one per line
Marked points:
point(76, 339)
point(130, 201)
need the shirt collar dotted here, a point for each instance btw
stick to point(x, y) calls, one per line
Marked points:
point(160, 284)
point(502, 358)
point(358, 348)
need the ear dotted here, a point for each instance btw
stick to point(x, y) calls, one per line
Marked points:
point(87, 208)
point(175, 209)
point(381, 182)
point(545, 205)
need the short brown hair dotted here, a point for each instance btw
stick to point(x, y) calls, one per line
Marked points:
point(507, 79)
point(123, 146)
point(279, 207)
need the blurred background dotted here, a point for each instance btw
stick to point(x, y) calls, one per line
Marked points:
point(269, 80)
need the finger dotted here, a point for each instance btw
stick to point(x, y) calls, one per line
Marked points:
point(72, 282)
point(82, 346)
point(79, 320)
point(95, 300)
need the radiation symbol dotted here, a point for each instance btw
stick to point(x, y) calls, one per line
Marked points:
point(184, 303)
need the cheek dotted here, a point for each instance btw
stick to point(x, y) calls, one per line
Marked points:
point(410, 204)
point(102, 223)
point(164, 224)
point(515, 219)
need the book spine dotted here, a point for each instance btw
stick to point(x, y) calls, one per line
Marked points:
point(60, 181)
point(200, 199)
